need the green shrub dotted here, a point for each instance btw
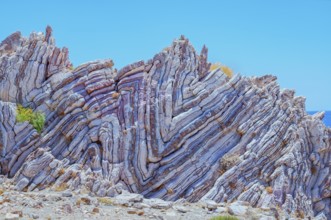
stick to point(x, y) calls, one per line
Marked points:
point(36, 119)
point(226, 217)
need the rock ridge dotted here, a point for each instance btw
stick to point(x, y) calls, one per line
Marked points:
point(167, 128)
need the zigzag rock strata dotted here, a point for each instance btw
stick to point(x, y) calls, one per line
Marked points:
point(167, 128)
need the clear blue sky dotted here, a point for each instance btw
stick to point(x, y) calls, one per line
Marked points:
point(287, 38)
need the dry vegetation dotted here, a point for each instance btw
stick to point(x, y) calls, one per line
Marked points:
point(226, 70)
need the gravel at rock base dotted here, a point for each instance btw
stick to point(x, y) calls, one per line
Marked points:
point(46, 204)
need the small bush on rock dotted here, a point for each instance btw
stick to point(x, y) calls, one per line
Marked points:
point(36, 119)
point(226, 70)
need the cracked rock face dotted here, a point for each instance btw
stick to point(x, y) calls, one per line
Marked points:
point(167, 128)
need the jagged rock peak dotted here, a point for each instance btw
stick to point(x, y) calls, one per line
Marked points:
point(30, 62)
point(167, 128)
point(11, 41)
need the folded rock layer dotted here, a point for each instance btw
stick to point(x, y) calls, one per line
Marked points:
point(167, 128)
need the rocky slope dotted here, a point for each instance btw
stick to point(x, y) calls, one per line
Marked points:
point(48, 204)
point(167, 128)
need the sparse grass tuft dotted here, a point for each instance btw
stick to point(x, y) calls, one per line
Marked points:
point(269, 189)
point(36, 119)
point(214, 66)
point(61, 187)
point(300, 214)
point(228, 161)
point(61, 171)
point(225, 217)
point(226, 70)
point(170, 191)
point(115, 95)
point(105, 201)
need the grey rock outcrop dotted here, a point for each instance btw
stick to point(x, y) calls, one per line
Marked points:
point(167, 128)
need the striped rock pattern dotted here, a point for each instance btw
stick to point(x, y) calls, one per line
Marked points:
point(167, 128)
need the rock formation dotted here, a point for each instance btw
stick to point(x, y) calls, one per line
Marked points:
point(167, 128)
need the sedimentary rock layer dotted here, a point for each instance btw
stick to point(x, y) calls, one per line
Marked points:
point(167, 128)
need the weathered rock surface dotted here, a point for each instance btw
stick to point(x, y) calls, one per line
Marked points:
point(167, 128)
